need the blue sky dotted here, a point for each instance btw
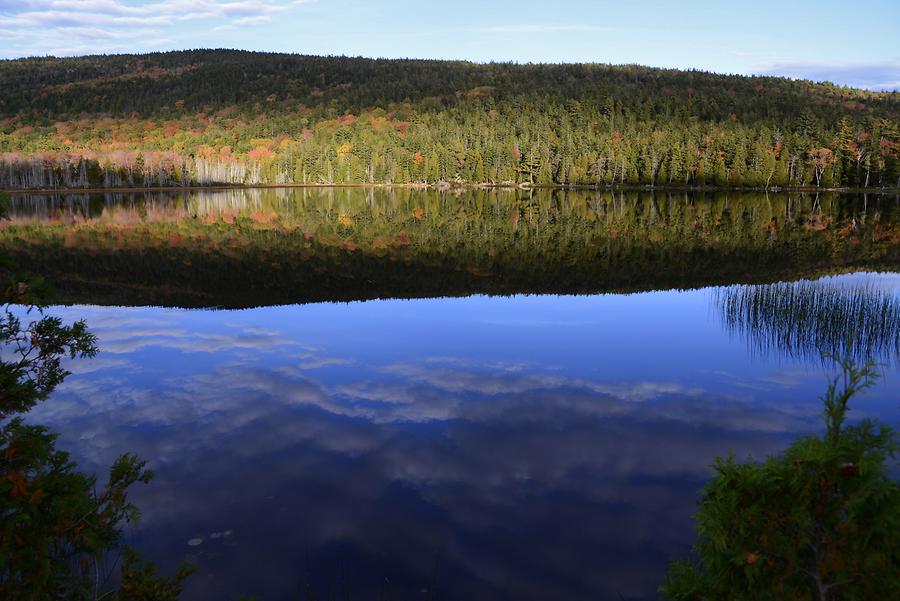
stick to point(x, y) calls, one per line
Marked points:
point(851, 43)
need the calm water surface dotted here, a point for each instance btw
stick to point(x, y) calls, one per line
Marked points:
point(532, 446)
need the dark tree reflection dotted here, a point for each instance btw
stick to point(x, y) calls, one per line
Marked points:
point(244, 248)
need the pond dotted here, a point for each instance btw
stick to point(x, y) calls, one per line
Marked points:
point(357, 393)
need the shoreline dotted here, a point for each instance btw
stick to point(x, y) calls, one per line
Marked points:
point(456, 187)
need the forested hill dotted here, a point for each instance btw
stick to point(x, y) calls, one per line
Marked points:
point(221, 116)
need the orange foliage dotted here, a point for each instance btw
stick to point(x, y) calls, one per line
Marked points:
point(226, 111)
point(261, 152)
point(380, 243)
point(19, 483)
point(821, 157)
point(260, 217)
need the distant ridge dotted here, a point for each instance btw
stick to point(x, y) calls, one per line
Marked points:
point(239, 117)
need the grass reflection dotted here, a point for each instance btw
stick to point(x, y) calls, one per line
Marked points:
point(811, 319)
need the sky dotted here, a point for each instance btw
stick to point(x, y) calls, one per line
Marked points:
point(854, 44)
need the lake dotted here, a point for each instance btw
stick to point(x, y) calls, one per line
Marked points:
point(370, 393)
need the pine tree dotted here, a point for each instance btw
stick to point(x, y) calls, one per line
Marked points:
point(820, 521)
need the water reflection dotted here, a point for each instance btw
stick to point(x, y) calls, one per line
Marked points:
point(821, 319)
point(489, 447)
point(239, 248)
point(495, 448)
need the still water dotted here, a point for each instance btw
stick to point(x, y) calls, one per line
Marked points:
point(534, 444)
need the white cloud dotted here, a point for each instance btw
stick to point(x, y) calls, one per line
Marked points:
point(257, 20)
point(244, 22)
point(872, 76)
point(67, 27)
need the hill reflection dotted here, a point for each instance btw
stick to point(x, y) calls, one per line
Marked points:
point(243, 248)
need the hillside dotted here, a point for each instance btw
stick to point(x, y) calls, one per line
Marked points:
point(220, 116)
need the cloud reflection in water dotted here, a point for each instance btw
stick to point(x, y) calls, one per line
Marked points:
point(343, 459)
